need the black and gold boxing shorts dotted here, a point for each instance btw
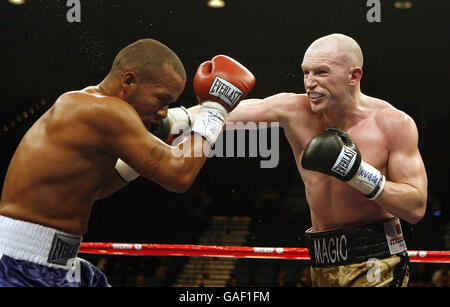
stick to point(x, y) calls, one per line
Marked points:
point(373, 255)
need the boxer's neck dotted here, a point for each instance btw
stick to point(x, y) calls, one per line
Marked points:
point(109, 87)
point(347, 113)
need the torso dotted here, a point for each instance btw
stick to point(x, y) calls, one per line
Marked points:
point(58, 167)
point(335, 204)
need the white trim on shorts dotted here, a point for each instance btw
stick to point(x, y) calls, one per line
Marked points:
point(28, 241)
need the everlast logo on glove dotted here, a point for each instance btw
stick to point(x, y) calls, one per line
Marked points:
point(345, 161)
point(226, 91)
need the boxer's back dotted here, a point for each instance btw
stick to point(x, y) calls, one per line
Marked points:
point(58, 167)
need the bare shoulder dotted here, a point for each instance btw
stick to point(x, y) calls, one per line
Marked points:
point(95, 105)
point(96, 115)
point(94, 102)
point(396, 125)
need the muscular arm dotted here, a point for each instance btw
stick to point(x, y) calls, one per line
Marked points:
point(405, 191)
point(272, 109)
point(123, 135)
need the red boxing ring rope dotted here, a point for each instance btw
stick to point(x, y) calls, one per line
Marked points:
point(230, 251)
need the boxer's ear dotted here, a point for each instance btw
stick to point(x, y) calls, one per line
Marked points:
point(129, 79)
point(356, 74)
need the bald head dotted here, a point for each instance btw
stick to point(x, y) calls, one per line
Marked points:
point(146, 57)
point(339, 48)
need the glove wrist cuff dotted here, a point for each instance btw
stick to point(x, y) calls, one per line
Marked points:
point(215, 106)
point(125, 171)
point(368, 180)
point(209, 122)
point(180, 120)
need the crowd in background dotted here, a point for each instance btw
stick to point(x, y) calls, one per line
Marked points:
point(156, 271)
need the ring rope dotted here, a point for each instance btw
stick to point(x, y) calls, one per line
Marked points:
point(230, 251)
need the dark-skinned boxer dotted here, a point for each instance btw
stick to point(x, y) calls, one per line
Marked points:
point(67, 159)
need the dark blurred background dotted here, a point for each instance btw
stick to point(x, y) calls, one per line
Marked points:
point(406, 63)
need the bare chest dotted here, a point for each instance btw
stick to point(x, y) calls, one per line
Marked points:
point(334, 203)
point(368, 137)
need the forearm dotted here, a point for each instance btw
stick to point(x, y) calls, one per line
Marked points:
point(246, 111)
point(174, 168)
point(405, 197)
point(403, 200)
point(188, 159)
point(275, 109)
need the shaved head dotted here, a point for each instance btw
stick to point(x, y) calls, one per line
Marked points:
point(146, 58)
point(340, 48)
point(332, 70)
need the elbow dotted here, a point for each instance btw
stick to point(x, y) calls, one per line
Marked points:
point(414, 219)
point(182, 184)
point(182, 179)
point(185, 175)
point(182, 175)
point(418, 213)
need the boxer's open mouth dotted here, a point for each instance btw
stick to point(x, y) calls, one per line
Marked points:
point(315, 97)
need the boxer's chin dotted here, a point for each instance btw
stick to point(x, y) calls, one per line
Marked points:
point(317, 109)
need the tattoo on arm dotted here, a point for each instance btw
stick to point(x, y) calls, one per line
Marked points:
point(155, 158)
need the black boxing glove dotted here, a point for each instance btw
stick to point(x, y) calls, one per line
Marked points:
point(333, 152)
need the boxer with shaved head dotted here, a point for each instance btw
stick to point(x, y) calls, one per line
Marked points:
point(359, 160)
